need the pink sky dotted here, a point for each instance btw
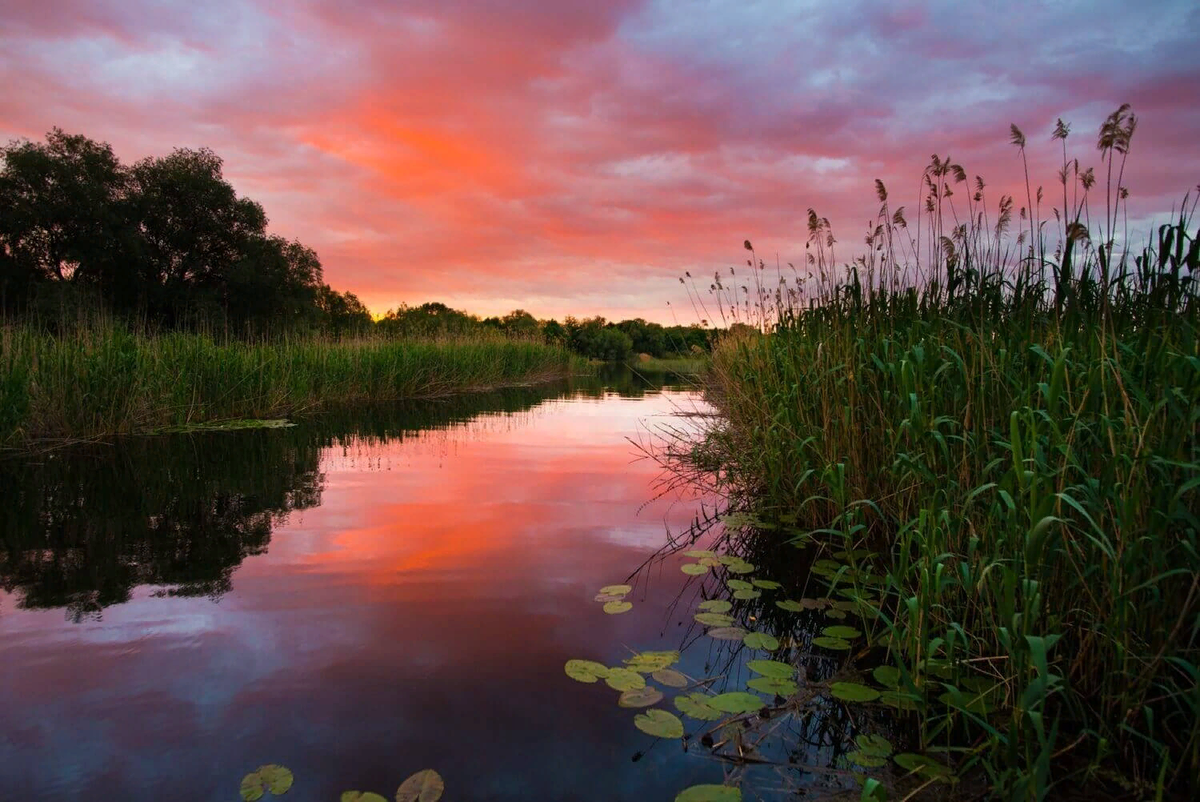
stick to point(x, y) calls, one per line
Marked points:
point(577, 157)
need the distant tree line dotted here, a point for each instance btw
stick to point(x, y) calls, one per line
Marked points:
point(166, 241)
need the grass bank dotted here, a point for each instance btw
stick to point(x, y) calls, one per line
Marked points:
point(682, 365)
point(102, 380)
point(996, 447)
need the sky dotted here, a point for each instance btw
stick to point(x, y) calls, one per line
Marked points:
point(577, 157)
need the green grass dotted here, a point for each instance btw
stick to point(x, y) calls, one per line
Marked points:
point(1010, 433)
point(101, 380)
point(682, 365)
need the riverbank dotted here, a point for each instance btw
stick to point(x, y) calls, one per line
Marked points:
point(103, 380)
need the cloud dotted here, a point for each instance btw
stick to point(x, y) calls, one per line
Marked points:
point(577, 157)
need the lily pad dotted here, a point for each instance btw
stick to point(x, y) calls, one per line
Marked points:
point(640, 697)
point(860, 758)
point(361, 796)
point(696, 706)
point(779, 686)
point(853, 692)
point(740, 568)
point(617, 607)
point(736, 702)
point(747, 594)
point(710, 793)
point(887, 676)
point(843, 632)
point(874, 745)
point(647, 662)
point(424, 786)
point(670, 678)
point(659, 723)
point(714, 619)
point(585, 670)
point(814, 604)
point(922, 765)
point(269, 778)
point(624, 679)
point(837, 644)
point(715, 606)
point(711, 562)
point(699, 553)
point(761, 640)
point(766, 584)
point(692, 569)
point(836, 614)
point(616, 590)
point(730, 559)
point(726, 633)
point(899, 700)
point(789, 605)
point(607, 597)
point(771, 668)
point(739, 584)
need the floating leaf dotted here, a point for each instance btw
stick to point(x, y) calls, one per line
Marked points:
point(624, 679)
point(714, 619)
point(771, 668)
point(853, 692)
point(898, 700)
point(616, 607)
point(843, 632)
point(585, 670)
point(271, 777)
point(736, 702)
point(826, 567)
point(699, 553)
point(659, 723)
point(651, 661)
point(837, 644)
point(730, 559)
point(616, 590)
point(766, 584)
point(874, 745)
point(861, 758)
point(696, 705)
point(727, 633)
point(835, 614)
point(761, 640)
point(739, 584)
point(640, 697)
point(925, 766)
point(747, 594)
point(361, 796)
point(789, 605)
point(424, 786)
point(887, 676)
point(670, 678)
point(740, 568)
point(607, 597)
point(711, 562)
point(780, 686)
point(715, 606)
point(970, 702)
point(692, 569)
point(814, 604)
point(710, 793)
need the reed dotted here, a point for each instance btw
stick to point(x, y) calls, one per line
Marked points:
point(1007, 429)
point(100, 379)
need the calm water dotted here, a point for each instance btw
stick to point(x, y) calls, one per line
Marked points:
point(361, 596)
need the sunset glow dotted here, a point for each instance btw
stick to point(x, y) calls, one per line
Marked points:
point(576, 158)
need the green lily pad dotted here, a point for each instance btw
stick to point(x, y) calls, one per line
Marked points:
point(874, 745)
point(836, 614)
point(789, 605)
point(361, 796)
point(779, 686)
point(766, 584)
point(826, 567)
point(860, 758)
point(692, 569)
point(747, 594)
point(269, 778)
point(853, 692)
point(659, 723)
point(899, 700)
point(424, 786)
point(740, 568)
point(640, 697)
point(887, 676)
point(761, 640)
point(617, 607)
point(726, 633)
point(651, 661)
point(771, 668)
point(837, 644)
point(624, 679)
point(729, 559)
point(711, 562)
point(842, 632)
point(585, 670)
point(616, 590)
point(710, 793)
point(925, 766)
point(715, 606)
point(699, 553)
point(607, 597)
point(696, 706)
point(670, 678)
point(814, 604)
point(736, 702)
point(714, 619)
point(739, 584)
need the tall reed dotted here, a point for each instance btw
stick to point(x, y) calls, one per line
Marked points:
point(1009, 426)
